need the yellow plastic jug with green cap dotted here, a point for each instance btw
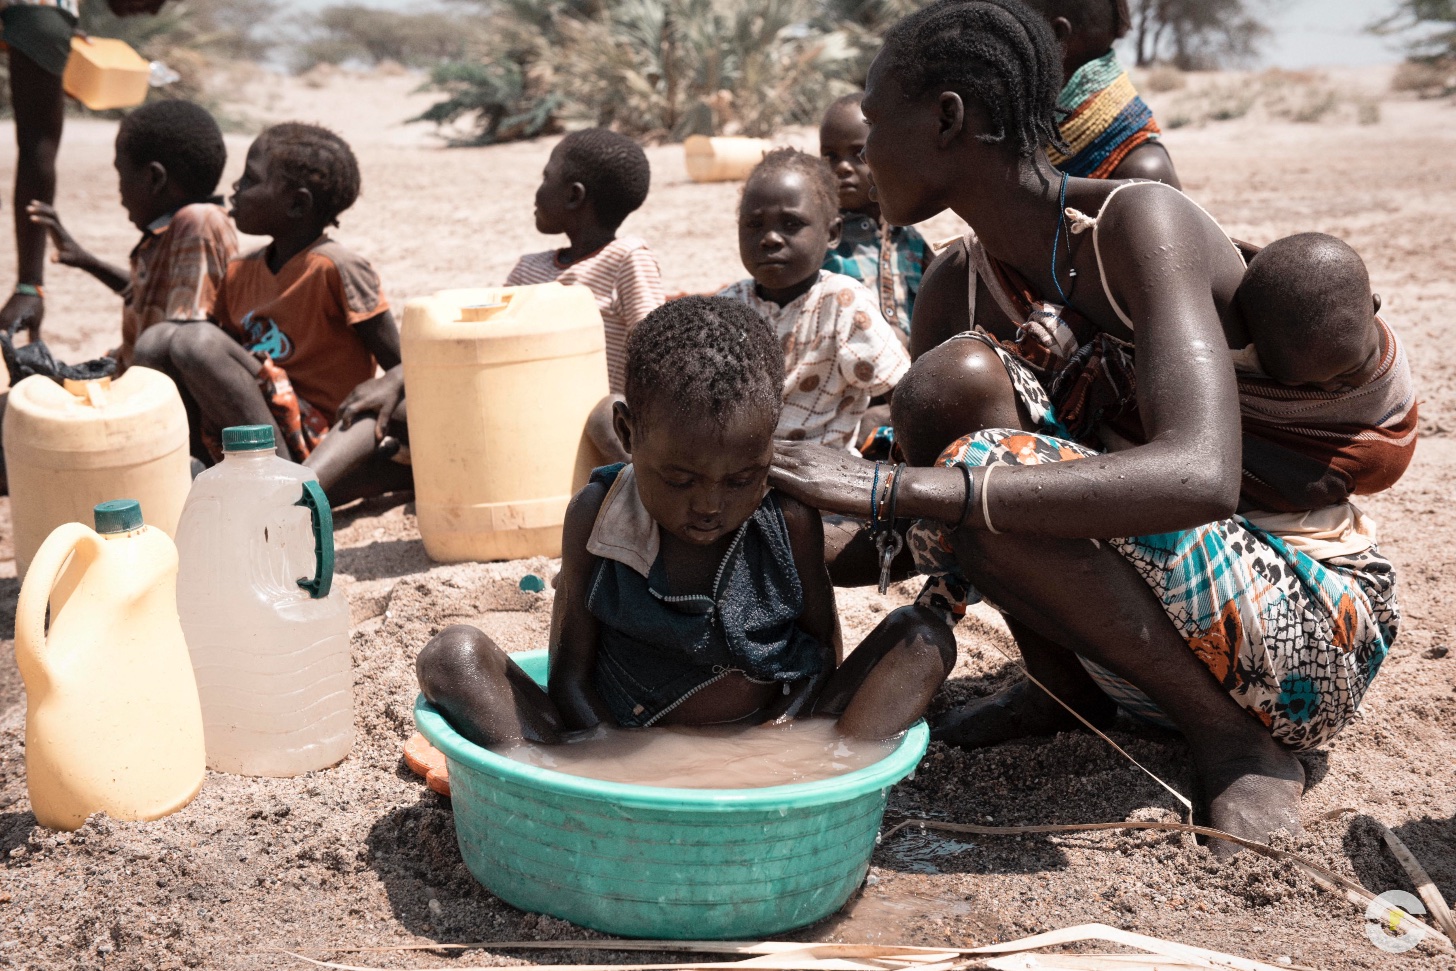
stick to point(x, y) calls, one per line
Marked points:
point(112, 720)
point(267, 630)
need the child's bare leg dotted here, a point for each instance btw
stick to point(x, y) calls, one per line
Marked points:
point(482, 693)
point(222, 377)
point(1024, 709)
point(1249, 783)
point(886, 683)
point(154, 347)
point(602, 435)
point(350, 466)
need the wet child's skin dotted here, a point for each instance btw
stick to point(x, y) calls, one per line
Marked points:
point(699, 479)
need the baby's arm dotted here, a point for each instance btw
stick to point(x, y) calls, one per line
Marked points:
point(820, 619)
point(573, 628)
point(71, 253)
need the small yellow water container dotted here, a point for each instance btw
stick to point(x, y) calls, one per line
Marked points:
point(112, 721)
point(69, 447)
point(727, 159)
point(500, 383)
point(104, 72)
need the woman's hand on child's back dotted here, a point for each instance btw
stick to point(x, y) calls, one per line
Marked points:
point(377, 396)
point(827, 479)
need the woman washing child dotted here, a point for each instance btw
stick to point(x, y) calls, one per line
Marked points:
point(1088, 423)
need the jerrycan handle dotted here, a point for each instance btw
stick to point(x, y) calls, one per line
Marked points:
point(40, 580)
point(322, 519)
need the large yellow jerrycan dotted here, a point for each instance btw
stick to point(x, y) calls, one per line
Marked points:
point(500, 383)
point(69, 447)
point(112, 721)
point(723, 159)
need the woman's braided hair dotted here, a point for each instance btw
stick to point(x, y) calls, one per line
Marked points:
point(1000, 53)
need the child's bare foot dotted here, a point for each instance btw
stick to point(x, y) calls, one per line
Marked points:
point(1019, 711)
point(1250, 795)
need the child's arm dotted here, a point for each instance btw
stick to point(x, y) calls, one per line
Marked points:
point(820, 619)
point(377, 396)
point(639, 286)
point(574, 630)
point(71, 253)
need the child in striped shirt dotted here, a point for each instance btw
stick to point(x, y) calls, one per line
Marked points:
point(593, 181)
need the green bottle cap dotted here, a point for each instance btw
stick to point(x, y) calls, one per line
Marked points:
point(248, 438)
point(531, 583)
point(118, 516)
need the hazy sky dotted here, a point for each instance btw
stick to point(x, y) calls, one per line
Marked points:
point(1306, 33)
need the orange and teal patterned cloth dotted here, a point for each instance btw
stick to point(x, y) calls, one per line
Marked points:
point(1103, 119)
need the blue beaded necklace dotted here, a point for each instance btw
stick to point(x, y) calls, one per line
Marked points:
point(1057, 238)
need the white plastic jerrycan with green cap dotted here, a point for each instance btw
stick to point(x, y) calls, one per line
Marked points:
point(268, 634)
point(112, 723)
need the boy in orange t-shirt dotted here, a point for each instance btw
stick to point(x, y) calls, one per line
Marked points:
point(302, 323)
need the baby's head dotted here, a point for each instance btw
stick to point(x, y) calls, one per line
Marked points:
point(705, 382)
point(168, 154)
point(594, 174)
point(842, 136)
point(1307, 304)
point(788, 219)
point(295, 174)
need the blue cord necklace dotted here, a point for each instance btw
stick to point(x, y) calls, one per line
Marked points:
point(1057, 238)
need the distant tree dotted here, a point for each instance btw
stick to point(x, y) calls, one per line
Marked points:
point(1430, 26)
point(1196, 34)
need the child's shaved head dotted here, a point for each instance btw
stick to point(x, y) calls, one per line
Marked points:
point(314, 158)
point(815, 170)
point(703, 357)
point(613, 169)
point(1307, 303)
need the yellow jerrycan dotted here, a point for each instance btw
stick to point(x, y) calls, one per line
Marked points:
point(104, 73)
point(112, 720)
point(500, 383)
point(724, 159)
point(69, 447)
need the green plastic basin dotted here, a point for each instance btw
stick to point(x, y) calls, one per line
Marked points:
point(639, 861)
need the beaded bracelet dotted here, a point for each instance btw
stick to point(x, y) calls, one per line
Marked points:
point(30, 290)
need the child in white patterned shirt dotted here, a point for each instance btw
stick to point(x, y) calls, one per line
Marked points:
point(839, 352)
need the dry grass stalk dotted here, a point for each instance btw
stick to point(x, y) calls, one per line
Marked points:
point(1425, 887)
point(791, 956)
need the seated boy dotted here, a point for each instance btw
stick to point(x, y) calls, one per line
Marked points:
point(593, 181)
point(169, 157)
point(1326, 389)
point(690, 593)
point(888, 260)
point(1109, 130)
point(838, 350)
point(301, 322)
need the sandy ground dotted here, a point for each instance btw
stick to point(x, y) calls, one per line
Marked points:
point(363, 855)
